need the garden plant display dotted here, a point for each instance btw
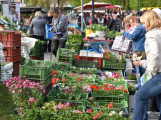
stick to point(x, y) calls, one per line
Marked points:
point(83, 70)
point(96, 27)
point(74, 38)
point(108, 89)
point(75, 92)
point(61, 111)
point(131, 77)
point(27, 96)
point(131, 89)
point(110, 76)
point(56, 74)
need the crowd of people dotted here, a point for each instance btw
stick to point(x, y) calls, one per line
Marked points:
point(143, 29)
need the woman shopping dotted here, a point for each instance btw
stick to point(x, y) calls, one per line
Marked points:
point(152, 87)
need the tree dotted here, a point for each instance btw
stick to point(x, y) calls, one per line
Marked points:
point(44, 3)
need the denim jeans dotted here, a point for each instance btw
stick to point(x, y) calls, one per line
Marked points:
point(150, 89)
point(139, 72)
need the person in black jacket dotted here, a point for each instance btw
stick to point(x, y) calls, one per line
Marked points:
point(114, 24)
point(48, 19)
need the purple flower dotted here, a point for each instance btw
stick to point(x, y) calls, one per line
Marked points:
point(98, 105)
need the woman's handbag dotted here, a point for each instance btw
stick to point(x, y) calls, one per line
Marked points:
point(122, 44)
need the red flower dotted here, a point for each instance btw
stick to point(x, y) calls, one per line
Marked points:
point(53, 72)
point(95, 117)
point(63, 79)
point(53, 81)
point(79, 79)
point(109, 105)
point(88, 111)
point(79, 112)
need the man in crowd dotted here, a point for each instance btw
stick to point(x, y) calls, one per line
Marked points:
point(114, 24)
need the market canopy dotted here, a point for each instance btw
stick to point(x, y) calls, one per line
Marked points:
point(111, 7)
point(96, 5)
point(29, 9)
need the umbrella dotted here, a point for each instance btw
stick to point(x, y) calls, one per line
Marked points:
point(111, 7)
point(96, 5)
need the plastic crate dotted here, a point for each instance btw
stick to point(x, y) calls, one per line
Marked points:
point(14, 43)
point(34, 57)
point(64, 56)
point(93, 45)
point(83, 58)
point(75, 46)
point(10, 35)
point(113, 64)
point(83, 70)
point(84, 63)
point(108, 98)
point(12, 51)
point(122, 106)
point(61, 67)
point(90, 54)
point(36, 70)
point(12, 58)
point(52, 96)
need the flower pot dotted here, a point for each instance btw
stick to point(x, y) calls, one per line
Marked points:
point(15, 112)
point(2, 26)
point(131, 92)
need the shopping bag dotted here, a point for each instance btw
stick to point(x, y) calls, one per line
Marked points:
point(126, 46)
point(143, 78)
point(118, 43)
point(122, 44)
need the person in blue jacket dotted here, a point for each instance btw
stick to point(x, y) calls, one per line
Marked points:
point(138, 40)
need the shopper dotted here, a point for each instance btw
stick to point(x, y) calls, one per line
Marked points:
point(89, 20)
point(114, 24)
point(127, 22)
point(38, 26)
point(79, 20)
point(48, 19)
point(152, 87)
point(60, 29)
point(138, 40)
point(98, 19)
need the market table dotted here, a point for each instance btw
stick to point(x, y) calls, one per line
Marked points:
point(86, 39)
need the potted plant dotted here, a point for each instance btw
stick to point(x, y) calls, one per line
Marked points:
point(131, 89)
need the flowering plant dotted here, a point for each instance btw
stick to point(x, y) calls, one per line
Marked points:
point(131, 87)
point(108, 89)
point(111, 76)
point(131, 77)
point(66, 111)
point(56, 73)
point(24, 91)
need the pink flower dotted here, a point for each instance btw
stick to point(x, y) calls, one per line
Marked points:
point(19, 91)
point(31, 100)
point(24, 76)
point(27, 92)
point(13, 91)
point(29, 104)
point(90, 98)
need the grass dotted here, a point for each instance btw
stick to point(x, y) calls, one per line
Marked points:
point(6, 104)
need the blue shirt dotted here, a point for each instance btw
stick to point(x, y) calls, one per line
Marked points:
point(137, 37)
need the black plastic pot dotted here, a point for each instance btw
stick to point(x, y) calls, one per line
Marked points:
point(15, 112)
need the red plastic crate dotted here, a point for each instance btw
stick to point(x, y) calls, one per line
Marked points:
point(14, 43)
point(12, 51)
point(10, 35)
point(12, 58)
point(99, 60)
point(34, 57)
point(15, 73)
point(16, 65)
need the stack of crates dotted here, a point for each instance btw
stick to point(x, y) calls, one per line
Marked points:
point(11, 41)
point(37, 70)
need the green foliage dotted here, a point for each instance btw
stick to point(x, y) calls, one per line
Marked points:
point(113, 34)
point(74, 38)
point(23, 60)
point(96, 27)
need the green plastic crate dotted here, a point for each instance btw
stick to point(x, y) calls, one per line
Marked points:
point(108, 98)
point(0, 73)
point(75, 46)
point(113, 64)
point(116, 106)
point(61, 67)
point(83, 70)
point(84, 63)
point(65, 55)
point(51, 96)
point(36, 70)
